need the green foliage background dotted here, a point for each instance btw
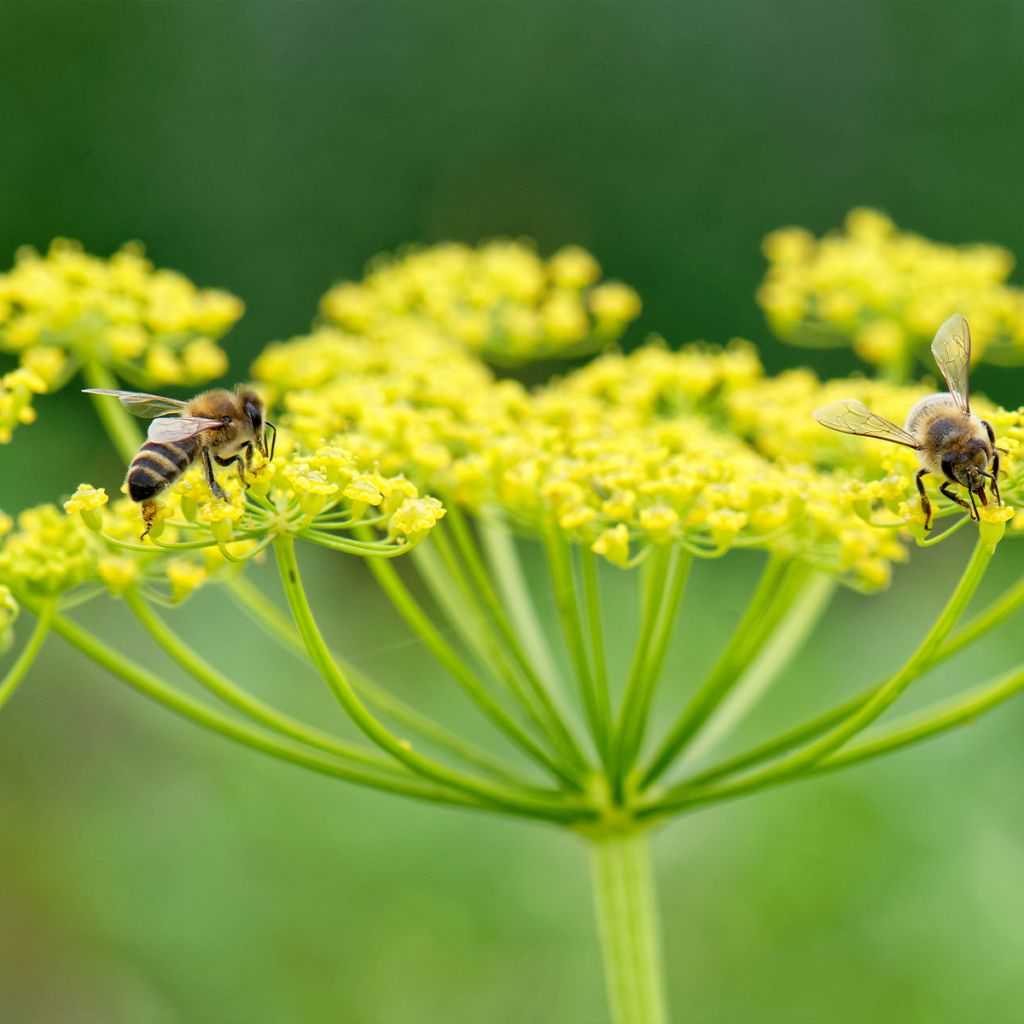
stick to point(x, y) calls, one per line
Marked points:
point(150, 873)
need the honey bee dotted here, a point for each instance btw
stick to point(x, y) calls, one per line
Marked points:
point(949, 439)
point(216, 426)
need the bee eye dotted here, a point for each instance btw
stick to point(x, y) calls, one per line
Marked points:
point(253, 412)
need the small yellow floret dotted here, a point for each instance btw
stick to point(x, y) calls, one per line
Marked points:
point(415, 516)
point(184, 577)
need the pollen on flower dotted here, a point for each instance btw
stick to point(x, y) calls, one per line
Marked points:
point(415, 516)
point(86, 498)
point(363, 489)
point(88, 502)
point(499, 299)
point(48, 554)
point(884, 291)
point(184, 577)
point(613, 544)
point(69, 307)
point(118, 572)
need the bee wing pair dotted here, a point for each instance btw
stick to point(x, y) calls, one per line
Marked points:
point(165, 428)
point(952, 351)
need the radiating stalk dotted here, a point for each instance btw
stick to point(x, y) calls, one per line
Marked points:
point(268, 616)
point(152, 686)
point(503, 559)
point(12, 678)
point(787, 639)
point(751, 631)
point(566, 592)
point(456, 597)
point(553, 806)
point(804, 759)
point(627, 920)
point(238, 698)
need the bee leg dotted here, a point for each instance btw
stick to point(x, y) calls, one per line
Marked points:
point(969, 506)
point(215, 487)
point(995, 482)
point(245, 464)
point(243, 459)
point(926, 505)
point(148, 515)
point(995, 474)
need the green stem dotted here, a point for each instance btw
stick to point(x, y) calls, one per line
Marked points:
point(233, 695)
point(14, 675)
point(463, 675)
point(666, 579)
point(790, 636)
point(763, 610)
point(595, 633)
point(627, 920)
point(266, 614)
point(503, 558)
point(458, 599)
point(563, 580)
point(909, 731)
point(156, 689)
point(930, 722)
point(554, 806)
point(876, 704)
point(479, 586)
point(124, 432)
point(986, 620)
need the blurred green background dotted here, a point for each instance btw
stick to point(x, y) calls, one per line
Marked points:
point(150, 873)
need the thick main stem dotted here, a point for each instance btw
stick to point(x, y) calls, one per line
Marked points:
point(627, 920)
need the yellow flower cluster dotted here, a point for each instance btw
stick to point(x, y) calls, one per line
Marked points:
point(151, 326)
point(324, 496)
point(500, 299)
point(629, 451)
point(775, 416)
point(885, 292)
point(17, 389)
point(8, 614)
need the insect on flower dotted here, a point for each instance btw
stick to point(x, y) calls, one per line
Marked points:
point(217, 426)
point(949, 439)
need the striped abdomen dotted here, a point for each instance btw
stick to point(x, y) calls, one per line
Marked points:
point(158, 464)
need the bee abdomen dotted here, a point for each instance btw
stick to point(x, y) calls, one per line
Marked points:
point(157, 464)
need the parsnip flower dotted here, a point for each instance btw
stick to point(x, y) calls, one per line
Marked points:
point(66, 310)
point(500, 299)
point(9, 610)
point(415, 516)
point(884, 292)
point(87, 501)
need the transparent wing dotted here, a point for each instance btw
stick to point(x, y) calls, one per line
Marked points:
point(952, 351)
point(849, 416)
point(179, 428)
point(140, 404)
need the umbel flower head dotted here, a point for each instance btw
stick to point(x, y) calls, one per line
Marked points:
point(884, 292)
point(326, 496)
point(500, 299)
point(625, 453)
point(67, 310)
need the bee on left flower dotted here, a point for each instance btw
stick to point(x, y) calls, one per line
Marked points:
point(217, 426)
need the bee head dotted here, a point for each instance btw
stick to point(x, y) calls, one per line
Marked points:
point(255, 423)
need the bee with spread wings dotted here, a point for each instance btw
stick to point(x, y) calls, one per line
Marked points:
point(949, 439)
point(216, 426)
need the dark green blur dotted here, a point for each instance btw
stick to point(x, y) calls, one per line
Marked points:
point(150, 873)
